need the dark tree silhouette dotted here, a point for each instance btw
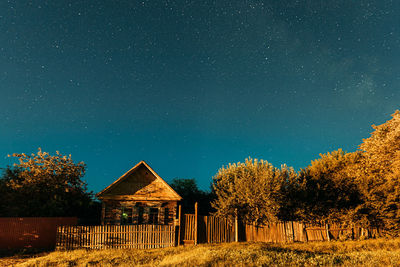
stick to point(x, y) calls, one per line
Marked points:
point(189, 191)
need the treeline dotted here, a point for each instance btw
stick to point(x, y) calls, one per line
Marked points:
point(360, 187)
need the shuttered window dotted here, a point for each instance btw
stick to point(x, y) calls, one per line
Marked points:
point(136, 215)
point(161, 216)
point(146, 215)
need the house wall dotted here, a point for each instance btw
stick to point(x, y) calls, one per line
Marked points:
point(137, 211)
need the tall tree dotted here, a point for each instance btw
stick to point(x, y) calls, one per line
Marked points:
point(327, 190)
point(378, 174)
point(255, 189)
point(45, 185)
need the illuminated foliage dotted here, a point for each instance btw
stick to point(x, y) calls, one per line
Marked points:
point(327, 191)
point(254, 189)
point(378, 174)
point(56, 171)
point(45, 185)
point(361, 187)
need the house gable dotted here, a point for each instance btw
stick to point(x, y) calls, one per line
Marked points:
point(141, 183)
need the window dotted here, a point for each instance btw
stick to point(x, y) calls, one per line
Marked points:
point(153, 216)
point(145, 215)
point(126, 215)
point(166, 217)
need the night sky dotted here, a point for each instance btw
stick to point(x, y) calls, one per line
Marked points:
point(189, 86)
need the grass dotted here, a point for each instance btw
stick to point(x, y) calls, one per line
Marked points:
point(378, 252)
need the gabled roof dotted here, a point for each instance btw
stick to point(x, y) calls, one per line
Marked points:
point(139, 183)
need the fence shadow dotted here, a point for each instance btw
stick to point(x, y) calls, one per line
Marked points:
point(31, 233)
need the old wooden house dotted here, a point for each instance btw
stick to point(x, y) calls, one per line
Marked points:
point(140, 196)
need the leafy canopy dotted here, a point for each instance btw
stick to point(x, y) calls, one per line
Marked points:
point(255, 190)
point(327, 190)
point(45, 185)
point(378, 174)
point(361, 187)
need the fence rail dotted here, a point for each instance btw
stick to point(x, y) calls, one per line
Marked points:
point(115, 236)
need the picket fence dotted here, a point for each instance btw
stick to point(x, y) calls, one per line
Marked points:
point(115, 236)
point(203, 229)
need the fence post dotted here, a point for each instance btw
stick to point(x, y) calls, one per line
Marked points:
point(179, 224)
point(195, 223)
point(236, 226)
point(305, 231)
point(293, 234)
point(327, 231)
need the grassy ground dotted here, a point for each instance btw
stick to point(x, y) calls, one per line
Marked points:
point(379, 252)
point(12, 258)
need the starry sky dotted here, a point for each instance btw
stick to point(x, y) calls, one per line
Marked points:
point(190, 86)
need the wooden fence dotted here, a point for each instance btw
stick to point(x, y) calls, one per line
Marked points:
point(299, 232)
point(115, 236)
point(217, 230)
point(194, 229)
point(209, 229)
point(276, 232)
point(189, 229)
point(31, 232)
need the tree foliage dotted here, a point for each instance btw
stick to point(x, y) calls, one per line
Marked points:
point(378, 174)
point(45, 185)
point(327, 190)
point(254, 189)
point(361, 187)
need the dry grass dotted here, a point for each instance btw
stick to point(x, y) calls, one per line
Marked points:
point(357, 253)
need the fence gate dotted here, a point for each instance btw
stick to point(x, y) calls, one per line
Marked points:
point(209, 229)
point(216, 230)
point(189, 229)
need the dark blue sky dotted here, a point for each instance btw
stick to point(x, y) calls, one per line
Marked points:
point(189, 86)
